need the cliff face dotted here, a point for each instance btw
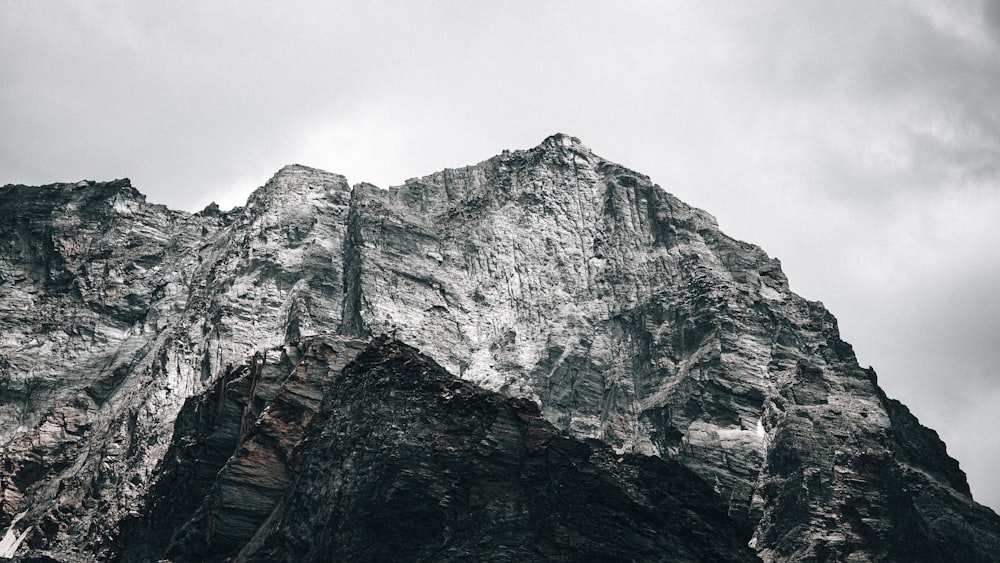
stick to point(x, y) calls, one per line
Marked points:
point(142, 415)
point(114, 311)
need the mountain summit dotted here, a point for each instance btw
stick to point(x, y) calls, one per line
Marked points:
point(544, 356)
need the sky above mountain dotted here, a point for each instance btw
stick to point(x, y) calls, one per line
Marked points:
point(858, 142)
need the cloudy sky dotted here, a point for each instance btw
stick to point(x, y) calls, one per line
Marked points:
point(859, 142)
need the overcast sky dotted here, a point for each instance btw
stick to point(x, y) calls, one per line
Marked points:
point(859, 142)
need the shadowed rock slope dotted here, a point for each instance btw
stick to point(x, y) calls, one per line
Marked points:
point(402, 461)
point(160, 395)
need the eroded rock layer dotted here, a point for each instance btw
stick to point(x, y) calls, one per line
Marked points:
point(162, 394)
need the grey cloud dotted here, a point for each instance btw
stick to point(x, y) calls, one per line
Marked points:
point(832, 134)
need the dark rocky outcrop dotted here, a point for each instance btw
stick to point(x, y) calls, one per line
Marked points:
point(403, 461)
point(231, 460)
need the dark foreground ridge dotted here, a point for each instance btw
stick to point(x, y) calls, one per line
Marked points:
point(603, 375)
point(403, 462)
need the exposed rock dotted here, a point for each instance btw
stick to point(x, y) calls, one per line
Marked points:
point(114, 311)
point(556, 275)
point(548, 275)
point(231, 458)
point(404, 461)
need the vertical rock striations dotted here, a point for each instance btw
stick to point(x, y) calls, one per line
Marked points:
point(114, 311)
point(142, 417)
point(232, 456)
point(556, 275)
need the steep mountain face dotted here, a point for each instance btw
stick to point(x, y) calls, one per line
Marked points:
point(114, 311)
point(163, 393)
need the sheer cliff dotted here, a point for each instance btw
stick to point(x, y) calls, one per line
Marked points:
point(601, 374)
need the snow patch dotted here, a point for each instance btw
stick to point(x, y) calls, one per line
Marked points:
point(700, 432)
point(11, 539)
point(770, 293)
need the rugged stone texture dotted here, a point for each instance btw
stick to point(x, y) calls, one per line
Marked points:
point(113, 311)
point(231, 460)
point(403, 461)
point(556, 275)
point(550, 275)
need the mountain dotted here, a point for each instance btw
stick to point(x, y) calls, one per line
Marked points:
point(544, 356)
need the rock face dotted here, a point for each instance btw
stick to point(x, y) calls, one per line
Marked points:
point(163, 393)
point(403, 461)
point(114, 311)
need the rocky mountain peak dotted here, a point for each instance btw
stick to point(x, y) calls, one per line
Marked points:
point(85, 193)
point(564, 141)
point(298, 171)
point(294, 184)
point(543, 333)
